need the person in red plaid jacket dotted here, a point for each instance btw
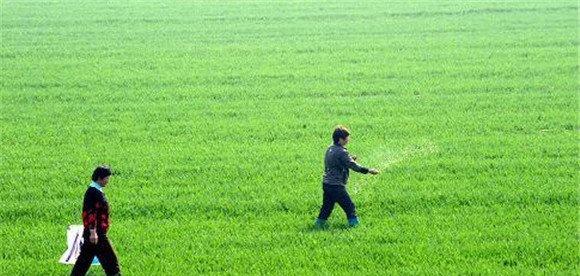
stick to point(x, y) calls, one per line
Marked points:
point(96, 224)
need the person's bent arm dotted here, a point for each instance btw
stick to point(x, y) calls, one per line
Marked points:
point(90, 216)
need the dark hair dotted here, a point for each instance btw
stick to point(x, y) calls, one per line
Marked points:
point(101, 171)
point(340, 132)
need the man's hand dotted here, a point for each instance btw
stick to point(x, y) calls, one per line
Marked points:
point(374, 171)
point(93, 238)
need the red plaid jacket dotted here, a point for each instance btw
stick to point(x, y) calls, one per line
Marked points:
point(96, 211)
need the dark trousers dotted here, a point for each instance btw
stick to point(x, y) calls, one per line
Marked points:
point(336, 194)
point(103, 250)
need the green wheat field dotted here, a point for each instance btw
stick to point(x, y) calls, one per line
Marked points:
point(215, 117)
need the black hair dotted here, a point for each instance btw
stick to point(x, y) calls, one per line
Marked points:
point(101, 172)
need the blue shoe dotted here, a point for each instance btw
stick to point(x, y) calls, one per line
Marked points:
point(321, 224)
point(353, 222)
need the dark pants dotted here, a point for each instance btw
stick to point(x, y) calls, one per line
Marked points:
point(103, 250)
point(336, 194)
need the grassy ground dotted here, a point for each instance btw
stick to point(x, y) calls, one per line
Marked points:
point(216, 117)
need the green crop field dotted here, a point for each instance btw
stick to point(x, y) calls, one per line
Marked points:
point(215, 117)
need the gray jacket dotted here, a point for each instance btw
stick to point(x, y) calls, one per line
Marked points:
point(337, 162)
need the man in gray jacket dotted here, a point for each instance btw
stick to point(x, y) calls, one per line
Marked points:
point(337, 163)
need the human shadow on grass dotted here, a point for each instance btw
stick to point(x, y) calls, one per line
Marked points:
point(331, 227)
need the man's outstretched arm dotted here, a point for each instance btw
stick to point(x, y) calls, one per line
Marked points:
point(351, 163)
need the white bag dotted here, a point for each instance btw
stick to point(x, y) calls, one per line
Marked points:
point(74, 239)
